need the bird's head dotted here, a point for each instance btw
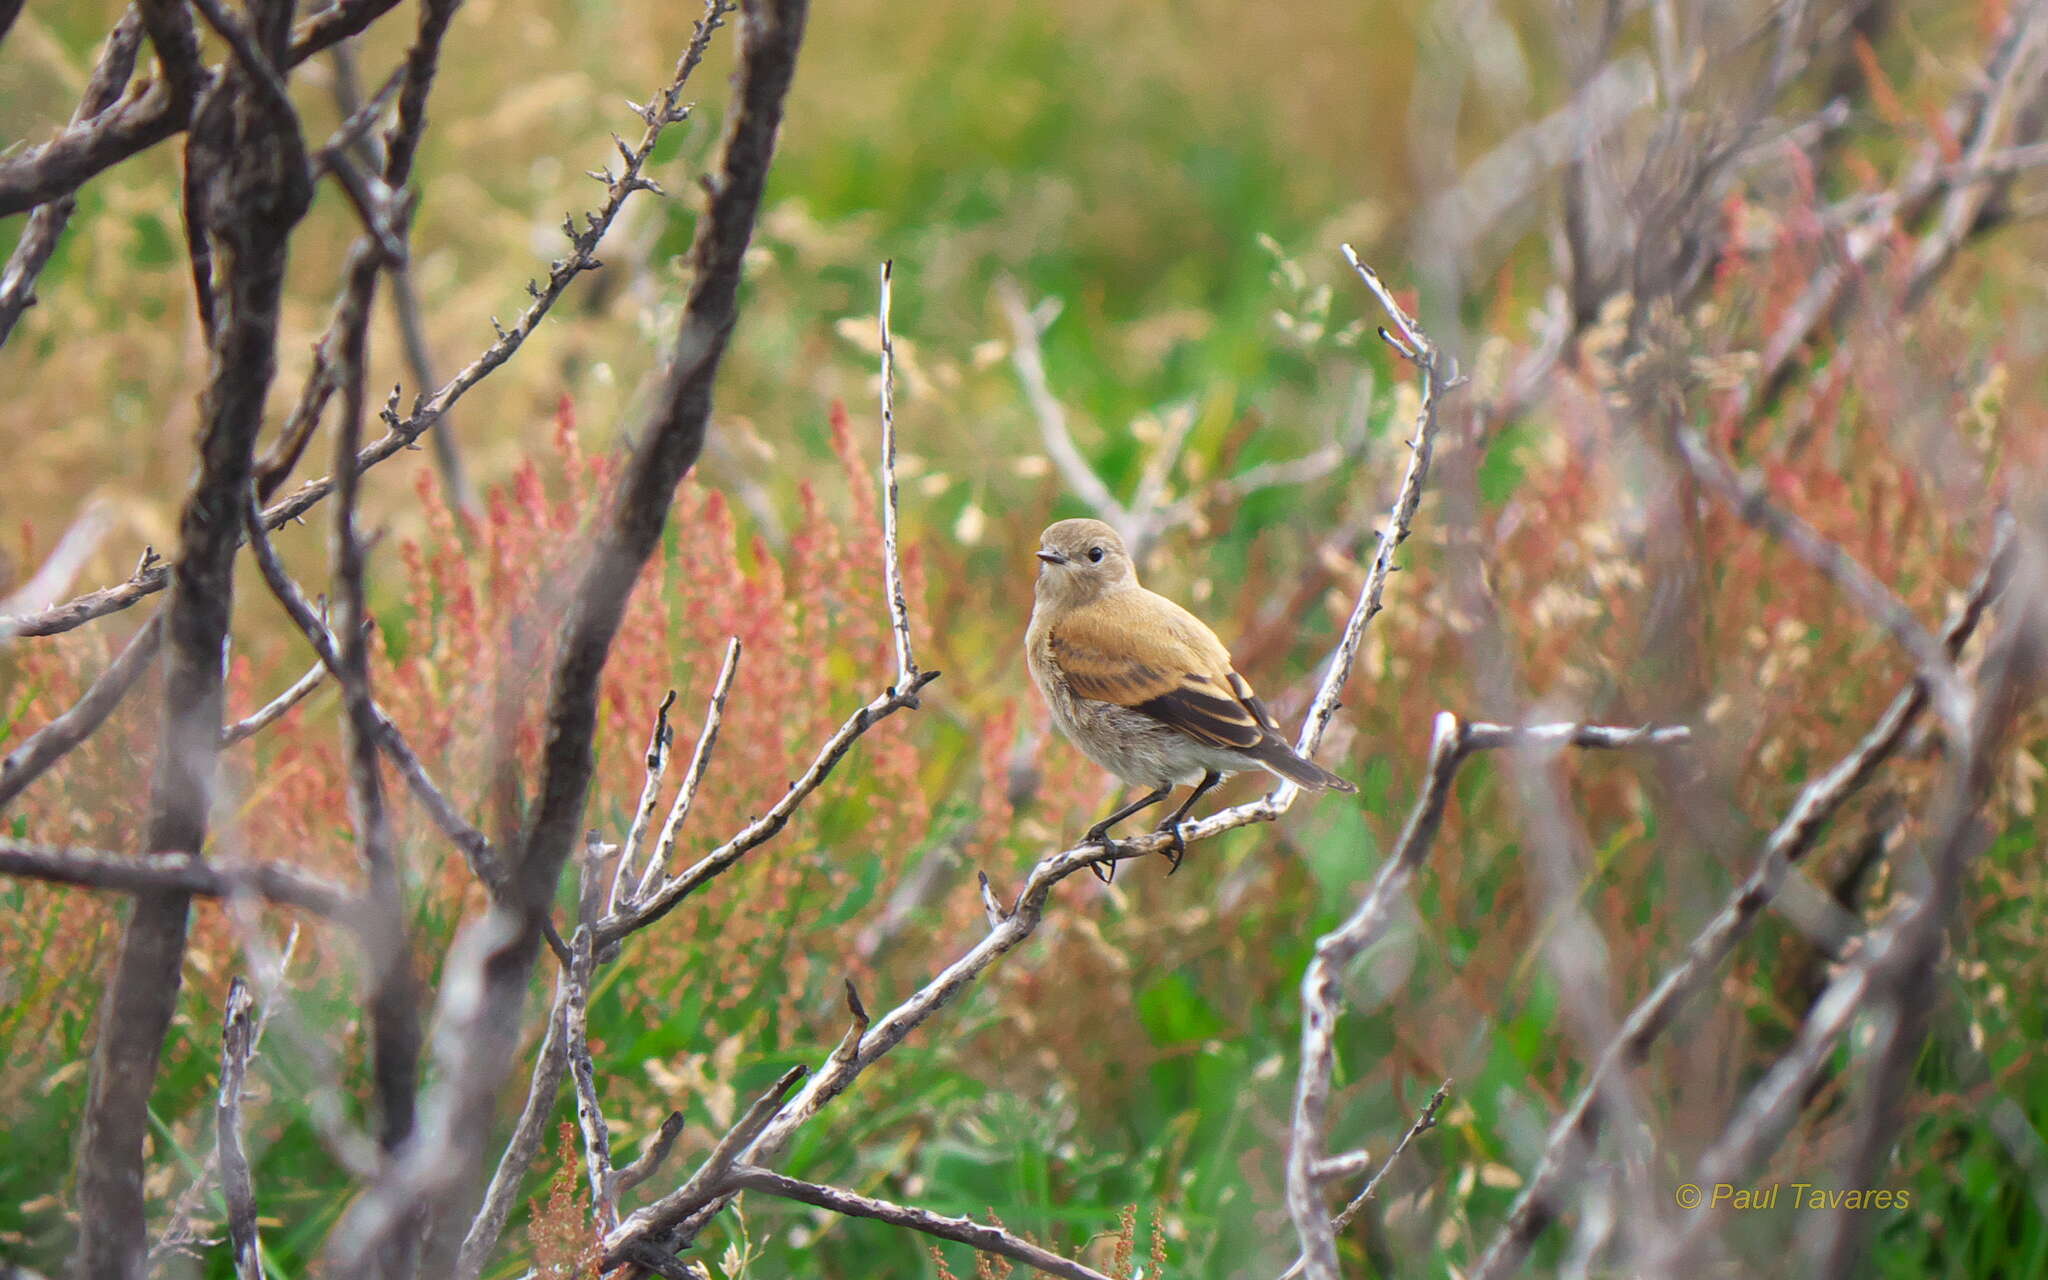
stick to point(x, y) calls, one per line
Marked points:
point(1080, 560)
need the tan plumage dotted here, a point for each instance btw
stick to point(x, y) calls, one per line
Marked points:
point(1141, 685)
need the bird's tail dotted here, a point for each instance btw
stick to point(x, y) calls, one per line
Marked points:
point(1277, 756)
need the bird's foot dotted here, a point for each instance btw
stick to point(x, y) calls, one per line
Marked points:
point(1104, 867)
point(1176, 846)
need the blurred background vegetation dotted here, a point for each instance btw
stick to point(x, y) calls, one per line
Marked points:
point(1177, 176)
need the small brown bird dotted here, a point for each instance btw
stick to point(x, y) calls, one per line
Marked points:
point(1142, 686)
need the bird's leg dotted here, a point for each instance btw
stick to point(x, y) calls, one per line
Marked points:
point(1104, 867)
point(1178, 849)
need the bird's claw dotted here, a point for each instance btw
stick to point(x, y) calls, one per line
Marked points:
point(1176, 845)
point(1105, 866)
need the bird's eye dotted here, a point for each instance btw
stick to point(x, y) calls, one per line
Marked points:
point(1095, 555)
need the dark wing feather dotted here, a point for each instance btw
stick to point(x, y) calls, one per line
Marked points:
point(1218, 721)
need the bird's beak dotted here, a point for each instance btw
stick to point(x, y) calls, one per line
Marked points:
point(1051, 557)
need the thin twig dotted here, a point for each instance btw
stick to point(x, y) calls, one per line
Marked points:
point(647, 908)
point(892, 566)
point(652, 1224)
point(1438, 374)
point(693, 777)
point(658, 743)
point(550, 1064)
point(177, 1235)
point(1342, 1219)
point(45, 226)
point(651, 1160)
point(476, 848)
point(1752, 501)
point(51, 743)
point(597, 1135)
point(273, 711)
point(982, 1236)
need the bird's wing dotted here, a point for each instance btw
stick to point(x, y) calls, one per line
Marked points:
point(1144, 652)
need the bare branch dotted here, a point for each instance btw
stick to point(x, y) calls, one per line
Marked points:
point(475, 847)
point(1282, 473)
point(77, 544)
point(892, 565)
point(51, 743)
point(1438, 373)
point(1451, 743)
point(651, 1160)
point(1904, 981)
point(392, 1001)
point(180, 873)
point(653, 1224)
point(646, 909)
point(1795, 834)
point(1752, 502)
point(658, 744)
point(693, 777)
point(2017, 87)
point(549, 1065)
point(488, 974)
point(1423, 1124)
point(273, 711)
point(177, 1235)
point(597, 1135)
point(246, 165)
point(403, 432)
point(139, 121)
point(46, 224)
point(1309, 1138)
point(237, 1043)
point(1052, 416)
point(982, 1236)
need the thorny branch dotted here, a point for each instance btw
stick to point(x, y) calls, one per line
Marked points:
point(402, 431)
point(487, 981)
